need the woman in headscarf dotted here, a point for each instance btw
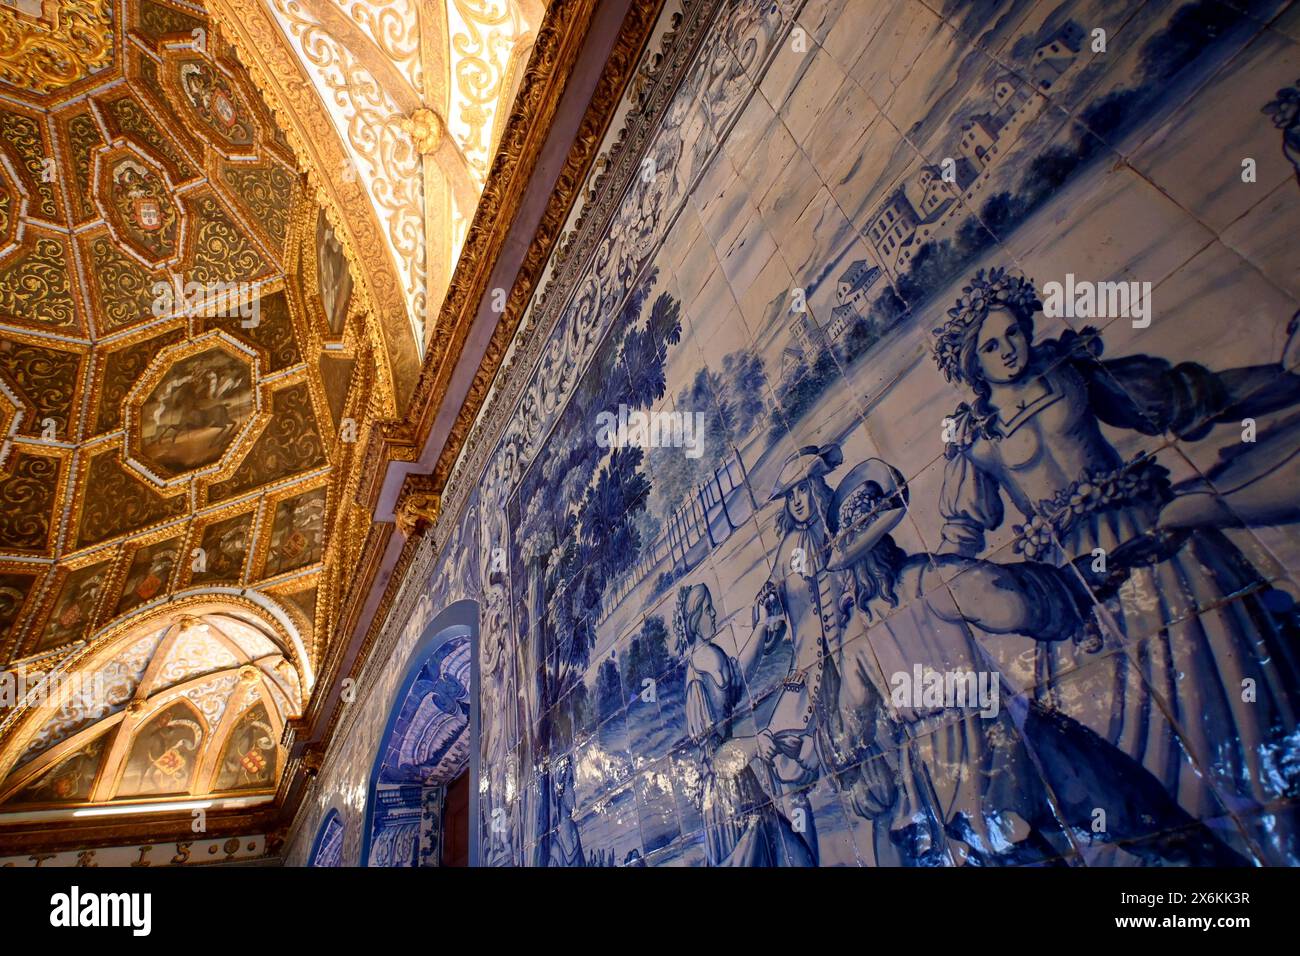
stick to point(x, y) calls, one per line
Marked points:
point(741, 823)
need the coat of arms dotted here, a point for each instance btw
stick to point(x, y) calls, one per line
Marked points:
point(253, 762)
point(208, 92)
point(295, 545)
point(224, 110)
point(148, 587)
point(144, 209)
point(70, 617)
point(148, 213)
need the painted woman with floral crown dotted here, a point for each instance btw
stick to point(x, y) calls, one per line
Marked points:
point(1193, 625)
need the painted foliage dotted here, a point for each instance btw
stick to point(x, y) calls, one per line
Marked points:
point(972, 336)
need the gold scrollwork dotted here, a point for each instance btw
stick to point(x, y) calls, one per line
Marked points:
point(264, 189)
point(23, 135)
point(125, 286)
point(60, 47)
point(34, 288)
point(221, 252)
point(27, 497)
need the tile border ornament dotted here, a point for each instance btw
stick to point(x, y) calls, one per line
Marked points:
point(553, 56)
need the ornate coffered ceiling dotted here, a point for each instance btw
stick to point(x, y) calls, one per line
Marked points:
point(187, 370)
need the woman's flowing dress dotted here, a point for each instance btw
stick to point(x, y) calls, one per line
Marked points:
point(1197, 635)
point(742, 826)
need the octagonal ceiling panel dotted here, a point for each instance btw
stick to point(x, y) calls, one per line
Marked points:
point(169, 303)
point(192, 411)
point(213, 101)
point(136, 200)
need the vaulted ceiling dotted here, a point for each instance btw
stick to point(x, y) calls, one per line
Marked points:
point(226, 236)
point(191, 702)
point(185, 376)
point(417, 93)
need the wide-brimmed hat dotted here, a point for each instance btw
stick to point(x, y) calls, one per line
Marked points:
point(868, 504)
point(810, 461)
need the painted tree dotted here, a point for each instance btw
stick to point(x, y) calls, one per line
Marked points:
point(588, 498)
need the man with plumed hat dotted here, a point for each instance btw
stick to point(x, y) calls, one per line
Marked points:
point(812, 597)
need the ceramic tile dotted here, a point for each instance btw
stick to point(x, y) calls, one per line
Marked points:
point(894, 47)
point(820, 283)
point(829, 145)
point(1212, 187)
point(1272, 835)
point(1259, 237)
point(609, 834)
point(657, 808)
point(1225, 678)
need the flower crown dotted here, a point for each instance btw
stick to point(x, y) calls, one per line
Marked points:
point(998, 288)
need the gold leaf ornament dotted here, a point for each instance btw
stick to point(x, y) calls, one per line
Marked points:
point(425, 128)
point(69, 41)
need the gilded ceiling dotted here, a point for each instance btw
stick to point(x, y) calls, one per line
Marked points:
point(186, 374)
point(192, 702)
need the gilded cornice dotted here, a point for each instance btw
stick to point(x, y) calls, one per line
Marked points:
point(501, 200)
point(418, 506)
point(555, 51)
point(175, 827)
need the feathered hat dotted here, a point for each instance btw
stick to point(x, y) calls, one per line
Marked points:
point(868, 504)
point(810, 461)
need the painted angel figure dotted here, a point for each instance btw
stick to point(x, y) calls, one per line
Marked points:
point(1193, 629)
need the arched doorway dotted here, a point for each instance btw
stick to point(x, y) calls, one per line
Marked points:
point(327, 849)
point(421, 796)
